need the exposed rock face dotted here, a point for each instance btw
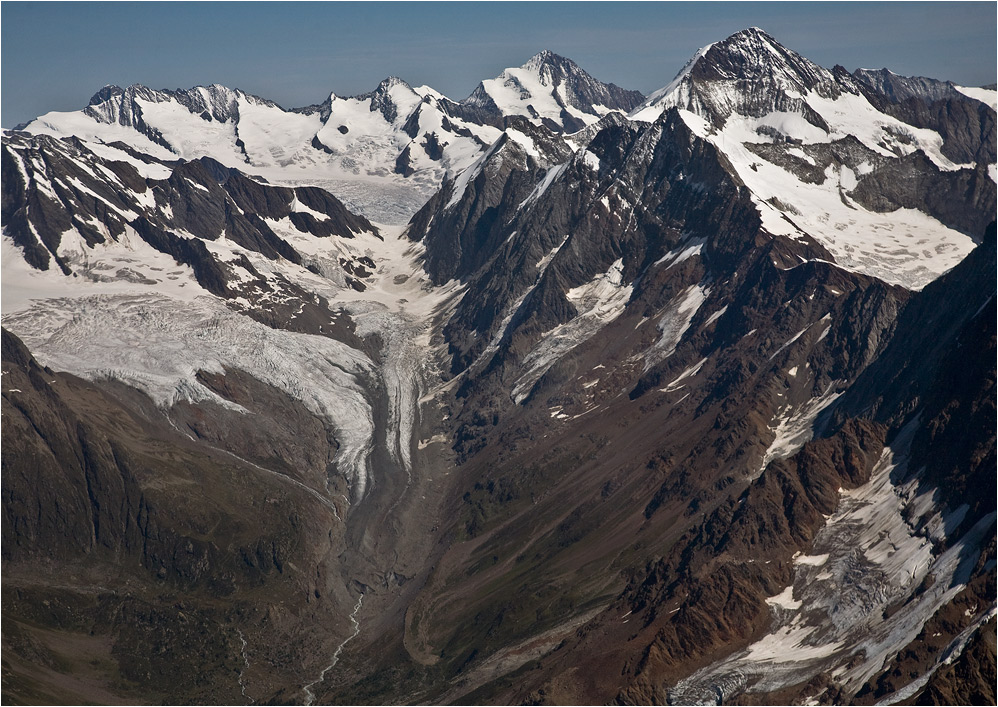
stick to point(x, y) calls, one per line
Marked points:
point(459, 224)
point(861, 446)
point(748, 73)
point(966, 125)
point(970, 679)
point(913, 182)
point(898, 89)
point(658, 220)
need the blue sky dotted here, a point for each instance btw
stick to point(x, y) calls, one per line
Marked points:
point(56, 55)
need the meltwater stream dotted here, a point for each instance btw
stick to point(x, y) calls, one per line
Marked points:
point(309, 695)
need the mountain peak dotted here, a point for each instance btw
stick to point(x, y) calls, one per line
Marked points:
point(543, 55)
point(750, 73)
point(381, 91)
point(546, 57)
point(383, 101)
point(751, 39)
point(551, 90)
point(391, 82)
point(751, 32)
point(106, 93)
point(750, 55)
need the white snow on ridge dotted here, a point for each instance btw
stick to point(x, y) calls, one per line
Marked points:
point(470, 173)
point(795, 426)
point(717, 315)
point(988, 96)
point(516, 88)
point(668, 96)
point(355, 159)
point(602, 294)
point(524, 141)
point(61, 124)
point(146, 170)
point(274, 136)
point(904, 247)
point(549, 178)
point(850, 114)
point(175, 122)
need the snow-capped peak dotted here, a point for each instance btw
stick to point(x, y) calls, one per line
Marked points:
point(393, 98)
point(775, 116)
point(546, 63)
point(391, 82)
point(655, 104)
point(551, 90)
point(749, 73)
point(123, 106)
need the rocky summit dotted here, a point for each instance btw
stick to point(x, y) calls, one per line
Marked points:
point(557, 394)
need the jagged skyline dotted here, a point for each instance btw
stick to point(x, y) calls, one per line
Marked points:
point(348, 47)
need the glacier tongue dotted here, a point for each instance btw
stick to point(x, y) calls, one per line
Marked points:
point(140, 318)
point(401, 372)
point(146, 341)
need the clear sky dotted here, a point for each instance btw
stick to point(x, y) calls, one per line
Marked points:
point(56, 55)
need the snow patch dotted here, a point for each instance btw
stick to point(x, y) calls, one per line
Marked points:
point(785, 599)
point(590, 160)
point(598, 302)
point(677, 383)
point(675, 322)
point(552, 174)
point(685, 251)
point(987, 96)
point(795, 427)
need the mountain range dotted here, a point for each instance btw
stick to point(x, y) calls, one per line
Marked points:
point(385, 151)
point(556, 394)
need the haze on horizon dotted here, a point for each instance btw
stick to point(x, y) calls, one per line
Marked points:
point(56, 55)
